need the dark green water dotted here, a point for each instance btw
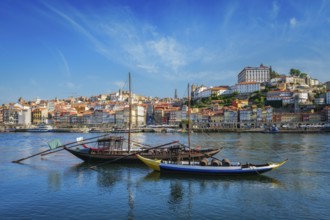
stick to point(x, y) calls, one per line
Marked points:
point(60, 186)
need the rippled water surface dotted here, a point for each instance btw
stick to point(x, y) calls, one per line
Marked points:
point(60, 186)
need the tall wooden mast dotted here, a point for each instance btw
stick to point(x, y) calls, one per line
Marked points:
point(188, 124)
point(129, 112)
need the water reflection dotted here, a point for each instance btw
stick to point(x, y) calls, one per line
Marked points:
point(54, 180)
point(157, 176)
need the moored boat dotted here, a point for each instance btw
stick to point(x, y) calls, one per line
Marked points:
point(224, 168)
point(111, 149)
point(41, 128)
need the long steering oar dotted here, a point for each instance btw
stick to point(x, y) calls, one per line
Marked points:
point(62, 146)
point(128, 155)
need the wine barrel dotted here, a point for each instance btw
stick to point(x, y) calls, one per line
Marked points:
point(215, 162)
point(204, 162)
point(226, 162)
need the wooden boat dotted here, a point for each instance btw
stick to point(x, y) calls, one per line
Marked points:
point(111, 149)
point(214, 167)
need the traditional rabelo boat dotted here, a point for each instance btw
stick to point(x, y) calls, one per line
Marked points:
point(207, 166)
point(114, 149)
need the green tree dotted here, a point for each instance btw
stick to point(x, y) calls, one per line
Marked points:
point(294, 72)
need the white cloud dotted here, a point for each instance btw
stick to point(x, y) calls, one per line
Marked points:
point(293, 22)
point(169, 51)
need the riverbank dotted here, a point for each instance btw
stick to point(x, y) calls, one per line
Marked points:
point(164, 130)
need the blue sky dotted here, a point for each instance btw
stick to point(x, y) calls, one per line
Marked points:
point(63, 48)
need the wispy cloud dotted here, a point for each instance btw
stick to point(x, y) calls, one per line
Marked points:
point(65, 63)
point(128, 42)
point(275, 10)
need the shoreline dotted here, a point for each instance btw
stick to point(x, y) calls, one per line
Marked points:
point(148, 130)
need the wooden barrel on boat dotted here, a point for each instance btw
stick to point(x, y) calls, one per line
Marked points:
point(226, 162)
point(215, 162)
point(204, 162)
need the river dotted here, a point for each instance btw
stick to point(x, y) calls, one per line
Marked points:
point(60, 186)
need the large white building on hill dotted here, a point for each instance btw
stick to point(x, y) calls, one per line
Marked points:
point(254, 74)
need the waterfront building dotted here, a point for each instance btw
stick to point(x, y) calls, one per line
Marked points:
point(326, 113)
point(216, 119)
point(39, 115)
point(287, 118)
point(24, 116)
point(1, 115)
point(245, 116)
point(120, 119)
point(175, 116)
point(10, 114)
point(328, 97)
point(138, 117)
point(313, 118)
point(254, 74)
point(230, 118)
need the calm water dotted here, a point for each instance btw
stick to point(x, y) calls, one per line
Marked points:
point(60, 186)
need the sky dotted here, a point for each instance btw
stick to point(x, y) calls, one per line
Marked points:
point(60, 48)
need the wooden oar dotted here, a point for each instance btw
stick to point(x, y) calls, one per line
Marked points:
point(114, 160)
point(62, 146)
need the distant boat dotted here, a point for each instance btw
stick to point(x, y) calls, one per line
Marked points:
point(41, 128)
point(272, 129)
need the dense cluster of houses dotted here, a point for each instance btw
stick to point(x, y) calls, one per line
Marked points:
point(310, 98)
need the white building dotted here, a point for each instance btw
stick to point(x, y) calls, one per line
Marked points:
point(24, 116)
point(254, 74)
point(205, 92)
point(247, 87)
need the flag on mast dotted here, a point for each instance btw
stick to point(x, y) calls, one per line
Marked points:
point(54, 144)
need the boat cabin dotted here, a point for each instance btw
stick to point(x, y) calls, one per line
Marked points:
point(108, 145)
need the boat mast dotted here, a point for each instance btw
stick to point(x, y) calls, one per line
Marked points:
point(130, 112)
point(188, 124)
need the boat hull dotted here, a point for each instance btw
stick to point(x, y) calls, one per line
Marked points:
point(125, 157)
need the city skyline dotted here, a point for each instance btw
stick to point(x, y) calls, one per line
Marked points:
point(61, 49)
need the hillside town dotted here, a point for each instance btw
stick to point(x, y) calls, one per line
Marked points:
point(261, 99)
